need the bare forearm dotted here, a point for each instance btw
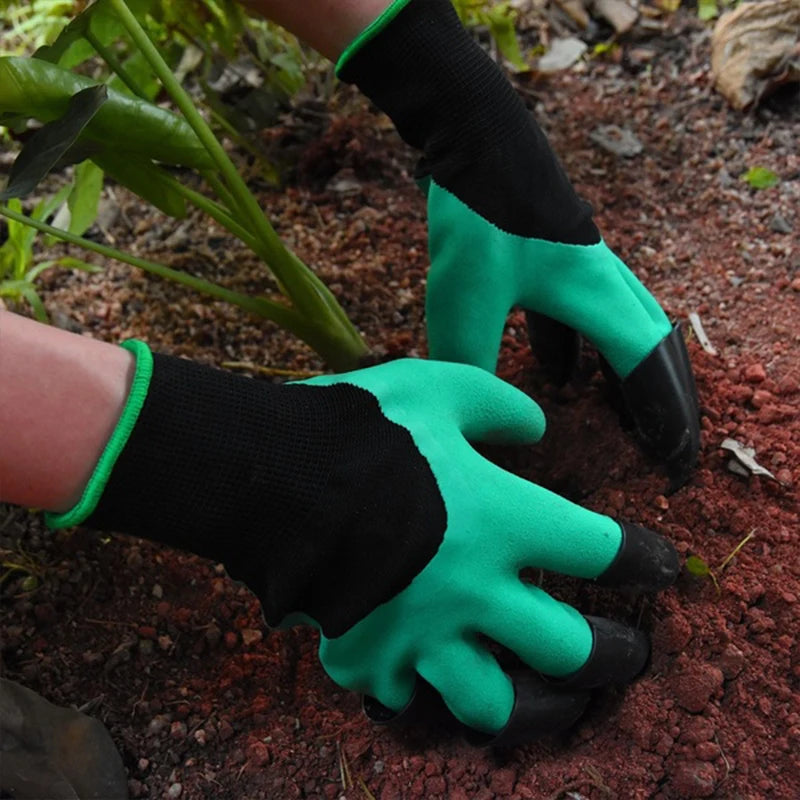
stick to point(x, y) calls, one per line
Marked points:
point(60, 398)
point(327, 25)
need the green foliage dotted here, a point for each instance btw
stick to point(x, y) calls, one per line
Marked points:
point(130, 138)
point(760, 178)
point(699, 567)
point(707, 9)
point(499, 18)
point(603, 49)
point(18, 270)
point(28, 570)
point(32, 24)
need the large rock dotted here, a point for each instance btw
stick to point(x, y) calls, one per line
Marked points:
point(55, 753)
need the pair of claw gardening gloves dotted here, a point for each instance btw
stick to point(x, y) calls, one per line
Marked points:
point(356, 502)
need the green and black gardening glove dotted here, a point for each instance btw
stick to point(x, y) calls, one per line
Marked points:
point(506, 227)
point(357, 504)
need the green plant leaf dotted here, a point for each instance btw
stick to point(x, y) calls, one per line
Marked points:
point(760, 177)
point(500, 20)
point(84, 198)
point(144, 178)
point(707, 9)
point(99, 22)
point(43, 90)
point(27, 291)
point(696, 566)
point(47, 146)
point(67, 262)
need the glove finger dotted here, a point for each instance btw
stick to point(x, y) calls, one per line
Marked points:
point(466, 301)
point(465, 326)
point(550, 532)
point(488, 409)
point(549, 636)
point(645, 298)
point(554, 639)
point(583, 543)
point(589, 289)
point(540, 709)
point(473, 686)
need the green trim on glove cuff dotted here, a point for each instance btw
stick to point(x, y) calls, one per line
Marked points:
point(119, 438)
point(372, 30)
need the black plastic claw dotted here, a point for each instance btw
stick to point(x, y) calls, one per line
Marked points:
point(661, 397)
point(540, 709)
point(619, 654)
point(425, 705)
point(646, 561)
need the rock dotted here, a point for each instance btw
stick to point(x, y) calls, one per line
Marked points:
point(672, 634)
point(563, 53)
point(780, 224)
point(258, 754)
point(619, 141)
point(695, 686)
point(694, 779)
point(502, 782)
point(251, 636)
point(755, 373)
point(731, 661)
point(618, 13)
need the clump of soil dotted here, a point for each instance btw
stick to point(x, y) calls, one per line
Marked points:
point(203, 702)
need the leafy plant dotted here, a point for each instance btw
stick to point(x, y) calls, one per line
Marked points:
point(22, 565)
point(700, 568)
point(18, 270)
point(30, 25)
point(134, 141)
point(760, 178)
point(499, 18)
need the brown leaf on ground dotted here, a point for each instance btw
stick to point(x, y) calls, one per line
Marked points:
point(755, 49)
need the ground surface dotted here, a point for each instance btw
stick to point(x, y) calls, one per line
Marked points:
point(203, 703)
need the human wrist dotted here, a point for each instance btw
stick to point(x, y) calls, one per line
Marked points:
point(329, 26)
point(60, 398)
point(82, 503)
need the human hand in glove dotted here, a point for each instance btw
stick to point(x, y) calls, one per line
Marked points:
point(356, 503)
point(506, 228)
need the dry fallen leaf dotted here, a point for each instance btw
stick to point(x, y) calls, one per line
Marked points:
point(754, 48)
point(745, 462)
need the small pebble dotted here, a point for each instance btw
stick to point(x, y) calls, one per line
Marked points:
point(755, 373)
point(174, 791)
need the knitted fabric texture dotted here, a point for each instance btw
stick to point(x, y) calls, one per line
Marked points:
point(281, 484)
point(449, 99)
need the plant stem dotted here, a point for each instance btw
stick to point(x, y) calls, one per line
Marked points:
point(111, 59)
point(214, 210)
point(335, 350)
point(308, 293)
point(258, 305)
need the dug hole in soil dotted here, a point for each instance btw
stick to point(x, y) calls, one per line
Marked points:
point(202, 702)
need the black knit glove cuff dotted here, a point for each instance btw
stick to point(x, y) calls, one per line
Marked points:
point(283, 484)
point(449, 99)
